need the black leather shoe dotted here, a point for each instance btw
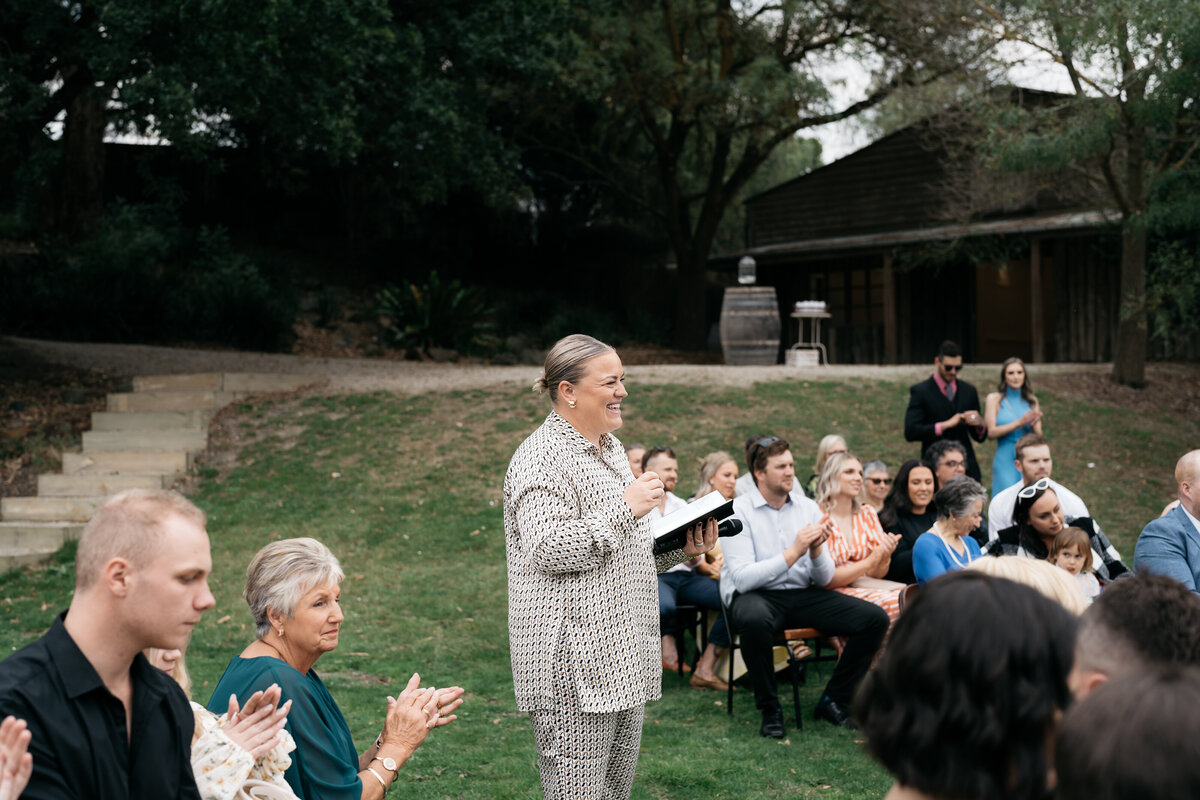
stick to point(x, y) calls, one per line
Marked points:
point(772, 724)
point(834, 714)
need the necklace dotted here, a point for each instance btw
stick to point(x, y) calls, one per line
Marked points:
point(954, 555)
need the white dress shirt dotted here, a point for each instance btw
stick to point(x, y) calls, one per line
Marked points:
point(754, 558)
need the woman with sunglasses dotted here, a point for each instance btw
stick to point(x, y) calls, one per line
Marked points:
point(876, 483)
point(1037, 519)
point(908, 510)
point(1011, 412)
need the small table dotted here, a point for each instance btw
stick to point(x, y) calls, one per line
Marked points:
point(814, 344)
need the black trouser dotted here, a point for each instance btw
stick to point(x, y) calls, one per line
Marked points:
point(758, 616)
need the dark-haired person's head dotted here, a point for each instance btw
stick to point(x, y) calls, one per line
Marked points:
point(949, 459)
point(772, 465)
point(912, 489)
point(1137, 623)
point(1134, 737)
point(964, 699)
point(949, 361)
point(1038, 513)
point(751, 441)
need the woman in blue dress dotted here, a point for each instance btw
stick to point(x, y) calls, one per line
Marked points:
point(293, 588)
point(948, 546)
point(1011, 411)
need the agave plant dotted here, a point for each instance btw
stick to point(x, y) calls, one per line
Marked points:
point(438, 313)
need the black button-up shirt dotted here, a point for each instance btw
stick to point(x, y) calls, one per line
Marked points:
point(80, 745)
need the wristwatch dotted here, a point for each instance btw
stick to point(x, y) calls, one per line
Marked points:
point(389, 764)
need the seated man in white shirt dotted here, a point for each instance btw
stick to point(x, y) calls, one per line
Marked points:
point(692, 582)
point(774, 578)
point(1034, 463)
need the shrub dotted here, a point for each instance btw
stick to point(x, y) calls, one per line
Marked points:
point(439, 313)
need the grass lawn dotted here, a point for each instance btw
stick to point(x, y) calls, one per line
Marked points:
point(407, 492)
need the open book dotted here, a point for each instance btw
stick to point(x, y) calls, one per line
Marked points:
point(670, 531)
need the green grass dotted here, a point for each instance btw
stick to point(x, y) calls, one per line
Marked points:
point(407, 492)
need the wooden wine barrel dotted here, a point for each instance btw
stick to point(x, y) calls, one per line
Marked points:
point(750, 325)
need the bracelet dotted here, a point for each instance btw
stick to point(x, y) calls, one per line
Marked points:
point(379, 778)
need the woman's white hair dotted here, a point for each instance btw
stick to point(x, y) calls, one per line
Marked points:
point(280, 574)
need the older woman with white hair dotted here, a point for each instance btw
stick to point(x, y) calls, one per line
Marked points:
point(582, 586)
point(293, 588)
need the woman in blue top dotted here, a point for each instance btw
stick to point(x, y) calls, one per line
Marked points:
point(949, 546)
point(293, 588)
point(1011, 412)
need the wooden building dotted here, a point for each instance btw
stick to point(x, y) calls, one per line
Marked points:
point(856, 233)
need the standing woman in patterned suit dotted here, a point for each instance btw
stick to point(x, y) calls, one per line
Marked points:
point(582, 579)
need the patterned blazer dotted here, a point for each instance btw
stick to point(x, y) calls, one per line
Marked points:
point(582, 579)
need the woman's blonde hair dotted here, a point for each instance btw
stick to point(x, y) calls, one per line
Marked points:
point(708, 469)
point(1049, 580)
point(828, 485)
point(565, 362)
point(180, 673)
point(823, 447)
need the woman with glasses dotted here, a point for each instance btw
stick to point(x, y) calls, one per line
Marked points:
point(948, 546)
point(1011, 412)
point(1037, 519)
point(876, 483)
point(908, 510)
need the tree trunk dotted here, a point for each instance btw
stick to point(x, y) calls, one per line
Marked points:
point(691, 322)
point(1129, 360)
point(81, 196)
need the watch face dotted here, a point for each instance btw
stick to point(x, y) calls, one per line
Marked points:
point(389, 764)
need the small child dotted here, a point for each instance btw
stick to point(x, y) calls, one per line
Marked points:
point(1072, 551)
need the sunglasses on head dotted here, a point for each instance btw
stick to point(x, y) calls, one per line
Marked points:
point(1033, 488)
point(764, 443)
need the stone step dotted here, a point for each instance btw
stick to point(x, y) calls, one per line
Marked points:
point(16, 557)
point(191, 441)
point(172, 464)
point(194, 420)
point(200, 382)
point(244, 383)
point(49, 509)
point(38, 535)
point(97, 485)
point(168, 401)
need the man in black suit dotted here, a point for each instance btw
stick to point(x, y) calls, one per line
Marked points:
point(943, 407)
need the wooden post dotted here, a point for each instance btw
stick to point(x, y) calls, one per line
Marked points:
point(889, 310)
point(1036, 316)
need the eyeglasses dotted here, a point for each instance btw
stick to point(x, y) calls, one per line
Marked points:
point(952, 367)
point(1033, 488)
point(884, 481)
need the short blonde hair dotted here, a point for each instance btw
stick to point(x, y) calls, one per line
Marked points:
point(1049, 580)
point(280, 574)
point(565, 362)
point(128, 526)
point(708, 468)
point(828, 484)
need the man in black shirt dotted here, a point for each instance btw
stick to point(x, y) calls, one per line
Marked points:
point(944, 407)
point(105, 723)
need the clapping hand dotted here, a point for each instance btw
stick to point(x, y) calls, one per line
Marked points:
point(16, 764)
point(256, 726)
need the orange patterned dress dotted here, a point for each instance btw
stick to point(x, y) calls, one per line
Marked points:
point(865, 536)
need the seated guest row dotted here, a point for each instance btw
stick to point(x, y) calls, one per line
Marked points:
point(141, 586)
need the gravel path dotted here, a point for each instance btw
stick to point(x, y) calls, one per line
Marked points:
point(346, 375)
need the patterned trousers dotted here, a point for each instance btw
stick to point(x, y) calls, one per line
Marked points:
point(581, 755)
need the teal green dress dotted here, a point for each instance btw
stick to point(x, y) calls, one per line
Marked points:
point(325, 763)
